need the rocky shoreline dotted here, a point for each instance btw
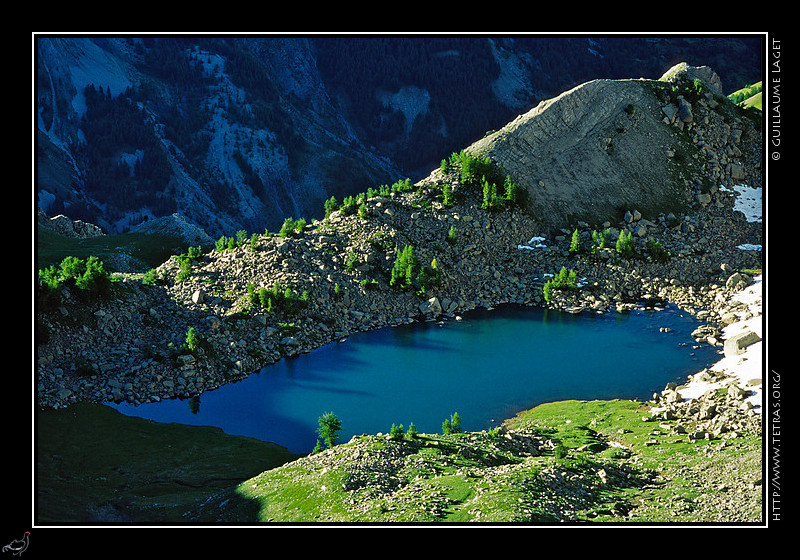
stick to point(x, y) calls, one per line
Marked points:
point(125, 349)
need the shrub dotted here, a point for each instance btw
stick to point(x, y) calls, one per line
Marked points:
point(350, 261)
point(95, 279)
point(277, 298)
point(564, 280)
point(331, 206)
point(625, 246)
point(292, 227)
point(452, 235)
point(192, 342)
point(150, 278)
point(89, 277)
point(657, 251)
point(185, 261)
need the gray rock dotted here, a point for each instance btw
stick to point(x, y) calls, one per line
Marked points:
point(684, 110)
point(738, 281)
point(738, 343)
point(431, 307)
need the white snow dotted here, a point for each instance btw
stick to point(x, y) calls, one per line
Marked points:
point(748, 201)
point(749, 247)
point(534, 243)
point(746, 368)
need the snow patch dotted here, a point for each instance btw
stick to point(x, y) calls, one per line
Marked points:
point(748, 201)
point(746, 368)
point(534, 243)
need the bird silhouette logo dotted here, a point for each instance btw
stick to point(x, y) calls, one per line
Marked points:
point(18, 546)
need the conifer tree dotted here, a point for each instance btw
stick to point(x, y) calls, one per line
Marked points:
point(575, 245)
point(329, 427)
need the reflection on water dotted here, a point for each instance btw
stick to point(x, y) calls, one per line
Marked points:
point(487, 368)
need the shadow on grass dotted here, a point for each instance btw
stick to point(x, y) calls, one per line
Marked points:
point(96, 465)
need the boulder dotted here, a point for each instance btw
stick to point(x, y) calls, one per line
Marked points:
point(705, 74)
point(431, 307)
point(738, 281)
point(684, 110)
point(738, 343)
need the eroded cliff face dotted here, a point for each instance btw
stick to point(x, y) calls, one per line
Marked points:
point(610, 145)
point(245, 148)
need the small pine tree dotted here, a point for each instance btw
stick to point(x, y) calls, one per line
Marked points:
point(397, 432)
point(547, 290)
point(329, 427)
point(412, 431)
point(599, 240)
point(455, 422)
point(575, 245)
point(625, 244)
point(185, 268)
point(452, 425)
point(447, 194)
point(330, 206)
point(490, 199)
point(192, 342)
point(512, 191)
point(452, 235)
point(405, 268)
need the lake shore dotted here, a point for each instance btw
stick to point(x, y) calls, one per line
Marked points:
point(127, 349)
point(744, 368)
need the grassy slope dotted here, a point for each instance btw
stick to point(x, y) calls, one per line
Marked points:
point(479, 477)
point(753, 96)
point(147, 250)
point(96, 465)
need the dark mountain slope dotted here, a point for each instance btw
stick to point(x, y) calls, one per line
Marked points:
point(240, 132)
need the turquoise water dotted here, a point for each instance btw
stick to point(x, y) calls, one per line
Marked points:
point(486, 367)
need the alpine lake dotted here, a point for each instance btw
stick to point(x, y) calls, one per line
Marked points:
point(487, 366)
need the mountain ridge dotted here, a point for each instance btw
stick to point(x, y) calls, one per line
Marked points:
point(251, 130)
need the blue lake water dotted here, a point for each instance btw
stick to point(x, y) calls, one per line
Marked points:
point(487, 367)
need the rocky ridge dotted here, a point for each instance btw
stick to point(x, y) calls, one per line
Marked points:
point(126, 349)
